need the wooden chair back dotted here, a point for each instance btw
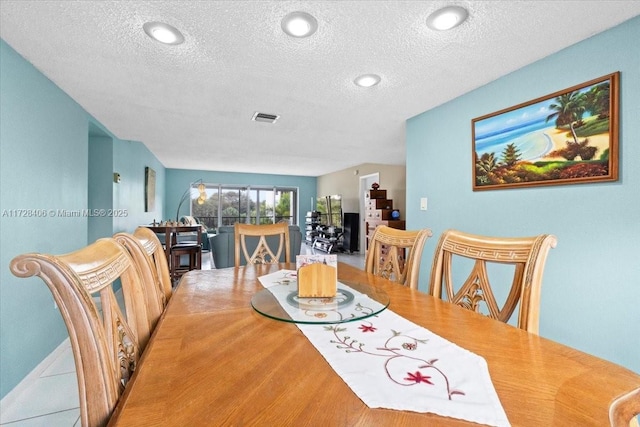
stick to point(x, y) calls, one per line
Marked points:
point(150, 259)
point(156, 252)
point(263, 253)
point(527, 255)
point(625, 410)
point(104, 343)
point(396, 254)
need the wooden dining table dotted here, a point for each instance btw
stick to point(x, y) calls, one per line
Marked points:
point(214, 361)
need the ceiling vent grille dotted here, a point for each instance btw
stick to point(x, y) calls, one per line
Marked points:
point(264, 117)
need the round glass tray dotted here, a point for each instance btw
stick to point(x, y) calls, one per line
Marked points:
point(353, 301)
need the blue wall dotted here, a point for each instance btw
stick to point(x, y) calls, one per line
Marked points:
point(178, 181)
point(43, 165)
point(591, 287)
point(54, 155)
point(130, 159)
point(46, 164)
point(100, 186)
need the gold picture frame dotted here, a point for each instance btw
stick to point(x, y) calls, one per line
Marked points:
point(567, 137)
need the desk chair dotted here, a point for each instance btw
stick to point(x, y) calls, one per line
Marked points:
point(526, 256)
point(104, 343)
point(263, 253)
point(148, 255)
point(395, 254)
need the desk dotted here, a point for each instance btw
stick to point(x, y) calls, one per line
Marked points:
point(213, 360)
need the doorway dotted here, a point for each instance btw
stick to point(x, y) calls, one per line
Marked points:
point(365, 185)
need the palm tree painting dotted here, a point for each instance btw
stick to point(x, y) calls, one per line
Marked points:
point(568, 137)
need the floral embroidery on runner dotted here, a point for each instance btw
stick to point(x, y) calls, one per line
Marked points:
point(393, 354)
point(323, 314)
point(390, 362)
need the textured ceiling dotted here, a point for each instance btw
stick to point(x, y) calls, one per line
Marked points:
point(192, 104)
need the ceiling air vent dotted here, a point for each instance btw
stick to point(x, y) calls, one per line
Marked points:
point(264, 117)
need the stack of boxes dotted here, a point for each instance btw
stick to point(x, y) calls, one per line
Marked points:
point(379, 211)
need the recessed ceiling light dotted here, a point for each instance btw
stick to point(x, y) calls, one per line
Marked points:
point(164, 33)
point(447, 18)
point(299, 24)
point(367, 80)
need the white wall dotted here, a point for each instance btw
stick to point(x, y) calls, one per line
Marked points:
point(346, 183)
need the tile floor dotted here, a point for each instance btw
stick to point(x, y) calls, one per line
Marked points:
point(48, 396)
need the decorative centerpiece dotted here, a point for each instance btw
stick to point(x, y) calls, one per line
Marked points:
point(375, 186)
point(317, 276)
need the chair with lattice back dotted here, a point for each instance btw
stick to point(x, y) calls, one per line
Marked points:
point(104, 341)
point(526, 257)
point(396, 254)
point(247, 235)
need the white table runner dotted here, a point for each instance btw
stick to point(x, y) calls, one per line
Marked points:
point(390, 362)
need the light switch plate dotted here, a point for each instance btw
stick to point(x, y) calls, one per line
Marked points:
point(423, 204)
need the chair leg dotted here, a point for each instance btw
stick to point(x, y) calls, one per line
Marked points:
point(175, 266)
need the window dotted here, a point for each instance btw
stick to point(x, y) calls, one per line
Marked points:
point(330, 209)
point(226, 205)
point(233, 206)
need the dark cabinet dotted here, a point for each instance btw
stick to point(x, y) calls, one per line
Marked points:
point(350, 231)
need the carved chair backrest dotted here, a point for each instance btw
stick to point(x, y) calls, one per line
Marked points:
point(396, 254)
point(527, 256)
point(625, 410)
point(263, 253)
point(142, 251)
point(155, 250)
point(105, 346)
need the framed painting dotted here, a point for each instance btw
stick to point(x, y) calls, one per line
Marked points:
point(567, 137)
point(149, 189)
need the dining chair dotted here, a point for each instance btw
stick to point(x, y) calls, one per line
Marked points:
point(156, 252)
point(264, 253)
point(103, 340)
point(525, 258)
point(148, 255)
point(395, 254)
point(625, 410)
